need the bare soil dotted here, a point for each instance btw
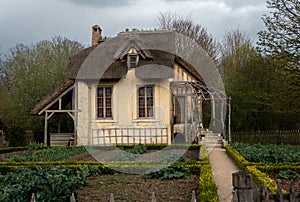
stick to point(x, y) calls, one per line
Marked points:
point(286, 183)
point(127, 187)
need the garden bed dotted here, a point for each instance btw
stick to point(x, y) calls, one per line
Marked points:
point(135, 188)
point(110, 155)
point(274, 164)
point(286, 183)
point(174, 182)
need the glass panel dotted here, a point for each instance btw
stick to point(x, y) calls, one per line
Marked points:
point(132, 61)
point(99, 92)
point(150, 101)
point(141, 91)
point(149, 91)
point(100, 112)
point(100, 102)
point(108, 103)
point(141, 112)
point(149, 111)
point(141, 102)
point(108, 92)
point(108, 112)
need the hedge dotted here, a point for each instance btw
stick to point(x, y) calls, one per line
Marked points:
point(259, 178)
point(208, 190)
point(260, 171)
point(105, 168)
point(237, 157)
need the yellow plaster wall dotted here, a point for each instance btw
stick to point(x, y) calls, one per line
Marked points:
point(83, 113)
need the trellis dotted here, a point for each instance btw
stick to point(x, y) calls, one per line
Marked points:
point(200, 92)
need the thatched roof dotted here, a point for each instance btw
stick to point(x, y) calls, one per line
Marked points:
point(52, 96)
point(107, 61)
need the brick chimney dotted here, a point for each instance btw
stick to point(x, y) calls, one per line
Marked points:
point(96, 34)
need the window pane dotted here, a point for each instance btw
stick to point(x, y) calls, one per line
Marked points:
point(108, 92)
point(149, 91)
point(100, 112)
point(99, 92)
point(149, 111)
point(141, 102)
point(133, 58)
point(100, 102)
point(141, 91)
point(108, 112)
point(108, 103)
point(142, 112)
point(132, 61)
point(150, 101)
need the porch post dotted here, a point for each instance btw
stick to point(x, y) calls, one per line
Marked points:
point(213, 111)
point(222, 119)
point(46, 128)
point(186, 114)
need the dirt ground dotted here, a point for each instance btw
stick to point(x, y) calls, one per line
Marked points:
point(127, 187)
point(286, 183)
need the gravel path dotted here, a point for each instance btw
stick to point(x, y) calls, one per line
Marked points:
point(222, 168)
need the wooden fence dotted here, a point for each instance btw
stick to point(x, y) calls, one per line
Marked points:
point(291, 137)
point(245, 190)
point(131, 135)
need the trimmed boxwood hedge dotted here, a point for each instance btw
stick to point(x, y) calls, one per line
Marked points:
point(260, 171)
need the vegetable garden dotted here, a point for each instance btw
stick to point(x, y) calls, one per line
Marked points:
point(271, 164)
point(54, 173)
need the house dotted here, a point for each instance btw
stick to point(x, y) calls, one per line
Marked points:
point(133, 88)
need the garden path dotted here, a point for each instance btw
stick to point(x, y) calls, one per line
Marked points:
point(222, 167)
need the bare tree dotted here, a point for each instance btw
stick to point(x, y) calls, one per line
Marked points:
point(186, 26)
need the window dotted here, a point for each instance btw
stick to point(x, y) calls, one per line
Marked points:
point(145, 101)
point(104, 102)
point(132, 61)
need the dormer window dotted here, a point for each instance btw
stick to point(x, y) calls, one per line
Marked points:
point(132, 58)
point(132, 61)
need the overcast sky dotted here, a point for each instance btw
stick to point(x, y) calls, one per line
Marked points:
point(30, 21)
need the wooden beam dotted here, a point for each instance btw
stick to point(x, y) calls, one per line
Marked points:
point(55, 100)
point(62, 111)
point(45, 129)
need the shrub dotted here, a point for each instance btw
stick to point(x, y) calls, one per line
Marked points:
point(171, 172)
point(15, 136)
point(237, 157)
point(208, 190)
point(48, 184)
point(259, 178)
point(35, 146)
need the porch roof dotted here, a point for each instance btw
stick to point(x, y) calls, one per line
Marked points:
point(52, 96)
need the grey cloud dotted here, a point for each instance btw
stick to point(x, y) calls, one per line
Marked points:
point(231, 3)
point(239, 3)
point(101, 3)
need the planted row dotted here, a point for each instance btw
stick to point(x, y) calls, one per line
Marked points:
point(269, 154)
point(47, 183)
point(48, 154)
